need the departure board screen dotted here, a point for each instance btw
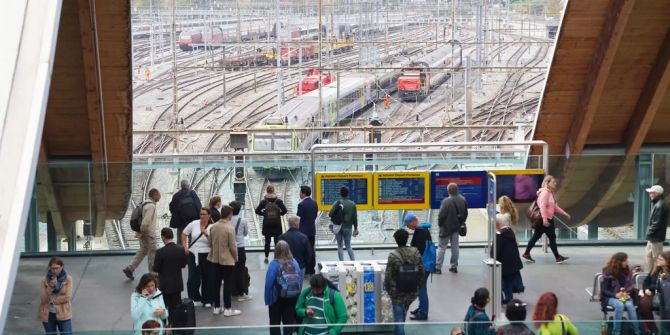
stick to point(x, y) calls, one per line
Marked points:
point(401, 190)
point(471, 185)
point(359, 185)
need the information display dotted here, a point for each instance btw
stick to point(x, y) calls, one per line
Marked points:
point(520, 185)
point(328, 187)
point(401, 190)
point(471, 185)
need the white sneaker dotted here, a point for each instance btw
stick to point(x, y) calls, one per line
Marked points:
point(244, 297)
point(197, 304)
point(208, 305)
point(216, 311)
point(231, 312)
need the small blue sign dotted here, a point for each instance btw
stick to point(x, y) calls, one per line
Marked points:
point(471, 185)
point(369, 295)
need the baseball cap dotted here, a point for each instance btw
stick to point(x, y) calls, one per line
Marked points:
point(656, 188)
point(408, 218)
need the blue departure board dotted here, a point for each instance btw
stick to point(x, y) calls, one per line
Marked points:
point(471, 185)
point(401, 190)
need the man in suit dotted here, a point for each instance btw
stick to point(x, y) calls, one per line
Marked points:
point(184, 207)
point(308, 211)
point(169, 261)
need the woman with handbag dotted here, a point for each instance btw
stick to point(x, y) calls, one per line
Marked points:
point(547, 205)
point(650, 296)
point(199, 268)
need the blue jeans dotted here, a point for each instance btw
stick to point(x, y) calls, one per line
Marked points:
point(53, 326)
point(399, 316)
point(423, 298)
point(618, 314)
point(344, 235)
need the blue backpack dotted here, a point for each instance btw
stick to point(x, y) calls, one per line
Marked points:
point(429, 257)
point(289, 280)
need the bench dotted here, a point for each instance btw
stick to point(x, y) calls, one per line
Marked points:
point(594, 291)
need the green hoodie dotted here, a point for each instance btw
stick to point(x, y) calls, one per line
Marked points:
point(336, 314)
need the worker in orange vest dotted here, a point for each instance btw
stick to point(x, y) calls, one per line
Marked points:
point(147, 73)
point(386, 101)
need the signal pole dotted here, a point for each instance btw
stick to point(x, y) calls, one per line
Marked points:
point(175, 110)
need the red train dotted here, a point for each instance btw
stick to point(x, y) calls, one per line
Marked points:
point(200, 38)
point(311, 82)
point(425, 74)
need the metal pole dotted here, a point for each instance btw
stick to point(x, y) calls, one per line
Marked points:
point(151, 33)
point(280, 85)
point(223, 67)
point(175, 110)
point(320, 62)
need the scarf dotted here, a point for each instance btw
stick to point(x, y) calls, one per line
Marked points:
point(60, 279)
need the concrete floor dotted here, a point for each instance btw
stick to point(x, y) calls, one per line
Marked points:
point(101, 300)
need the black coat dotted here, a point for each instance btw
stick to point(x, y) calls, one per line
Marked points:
point(308, 211)
point(658, 221)
point(421, 235)
point(507, 252)
point(176, 221)
point(299, 244)
point(168, 263)
point(271, 227)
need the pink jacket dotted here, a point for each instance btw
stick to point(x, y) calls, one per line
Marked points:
point(548, 205)
point(62, 300)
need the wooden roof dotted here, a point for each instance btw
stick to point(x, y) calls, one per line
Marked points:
point(608, 86)
point(84, 171)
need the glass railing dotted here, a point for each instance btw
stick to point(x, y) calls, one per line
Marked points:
point(86, 207)
point(424, 328)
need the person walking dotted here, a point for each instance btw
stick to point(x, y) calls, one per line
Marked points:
point(215, 208)
point(223, 256)
point(321, 308)
point(420, 239)
point(617, 290)
point(651, 287)
point(241, 274)
point(515, 311)
point(170, 259)
point(477, 322)
point(146, 303)
point(283, 284)
point(453, 213)
point(546, 201)
point(658, 224)
point(403, 278)
point(308, 210)
point(507, 249)
point(547, 319)
point(301, 249)
point(148, 235)
point(199, 268)
point(349, 224)
point(55, 309)
point(184, 207)
point(271, 209)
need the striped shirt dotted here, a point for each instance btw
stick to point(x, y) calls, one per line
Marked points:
point(316, 325)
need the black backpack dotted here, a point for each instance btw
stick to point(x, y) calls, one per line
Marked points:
point(136, 217)
point(272, 211)
point(187, 210)
point(408, 275)
point(337, 214)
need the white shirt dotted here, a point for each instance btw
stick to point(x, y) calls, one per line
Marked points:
point(201, 246)
point(505, 220)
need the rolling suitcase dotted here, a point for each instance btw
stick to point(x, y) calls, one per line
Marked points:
point(184, 317)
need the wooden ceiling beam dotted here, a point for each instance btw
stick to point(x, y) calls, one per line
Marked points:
point(650, 99)
point(95, 113)
point(608, 44)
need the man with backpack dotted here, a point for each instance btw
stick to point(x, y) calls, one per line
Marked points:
point(184, 207)
point(344, 220)
point(423, 242)
point(271, 208)
point(144, 221)
point(241, 274)
point(403, 278)
point(321, 308)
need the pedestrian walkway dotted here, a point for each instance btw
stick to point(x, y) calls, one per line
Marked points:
point(101, 298)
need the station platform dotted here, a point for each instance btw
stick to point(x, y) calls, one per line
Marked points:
point(101, 299)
